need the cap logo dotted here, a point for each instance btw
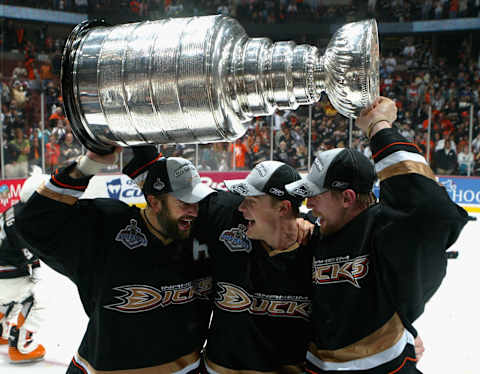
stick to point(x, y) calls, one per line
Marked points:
point(318, 164)
point(261, 170)
point(240, 188)
point(340, 185)
point(158, 185)
point(275, 191)
point(301, 191)
point(184, 169)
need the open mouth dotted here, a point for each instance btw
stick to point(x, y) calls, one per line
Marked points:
point(185, 223)
point(251, 223)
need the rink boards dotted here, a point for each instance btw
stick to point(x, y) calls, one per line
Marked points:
point(465, 191)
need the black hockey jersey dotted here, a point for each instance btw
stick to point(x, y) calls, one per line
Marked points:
point(147, 297)
point(261, 301)
point(383, 266)
point(16, 259)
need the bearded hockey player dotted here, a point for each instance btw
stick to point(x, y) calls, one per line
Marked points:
point(141, 281)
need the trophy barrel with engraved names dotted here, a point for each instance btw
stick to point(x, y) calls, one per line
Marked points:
point(202, 79)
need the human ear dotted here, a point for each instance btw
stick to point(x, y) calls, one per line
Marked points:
point(285, 207)
point(154, 203)
point(349, 197)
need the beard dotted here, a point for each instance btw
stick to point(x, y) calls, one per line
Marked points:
point(170, 226)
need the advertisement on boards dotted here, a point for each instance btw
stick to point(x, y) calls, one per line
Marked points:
point(9, 192)
point(464, 191)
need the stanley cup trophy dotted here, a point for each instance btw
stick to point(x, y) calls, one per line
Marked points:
point(202, 79)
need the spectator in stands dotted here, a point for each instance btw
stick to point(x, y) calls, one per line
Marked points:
point(407, 132)
point(239, 151)
point(259, 151)
point(56, 115)
point(465, 161)
point(221, 156)
point(35, 154)
point(52, 154)
point(300, 158)
point(445, 160)
point(284, 154)
point(19, 72)
point(427, 9)
point(438, 10)
point(476, 144)
point(59, 129)
point(19, 150)
point(207, 157)
point(69, 149)
point(203, 166)
point(454, 7)
point(446, 138)
point(5, 95)
point(46, 71)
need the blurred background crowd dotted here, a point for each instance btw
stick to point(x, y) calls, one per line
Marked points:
point(434, 79)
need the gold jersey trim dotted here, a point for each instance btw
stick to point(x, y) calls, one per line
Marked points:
point(176, 366)
point(380, 340)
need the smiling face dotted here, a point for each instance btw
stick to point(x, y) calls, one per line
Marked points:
point(261, 215)
point(176, 217)
point(329, 209)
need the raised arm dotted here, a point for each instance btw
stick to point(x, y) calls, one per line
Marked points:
point(422, 222)
point(56, 225)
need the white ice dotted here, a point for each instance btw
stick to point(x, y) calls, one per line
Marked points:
point(450, 326)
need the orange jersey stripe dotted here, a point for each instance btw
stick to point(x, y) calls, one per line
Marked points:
point(144, 166)
point(78, 366)
point(403, 364)
point(80, 188)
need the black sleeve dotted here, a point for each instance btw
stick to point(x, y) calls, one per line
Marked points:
point(64, 233)
point(217, 212)
point(143, 158)
point(420, 222)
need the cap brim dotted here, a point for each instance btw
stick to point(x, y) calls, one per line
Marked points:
point(193, 195)
point(242, 187)
point(304, 188)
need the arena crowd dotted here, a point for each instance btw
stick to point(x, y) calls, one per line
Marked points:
point(419, 82)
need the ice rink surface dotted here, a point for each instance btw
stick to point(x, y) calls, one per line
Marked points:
point(450, 326)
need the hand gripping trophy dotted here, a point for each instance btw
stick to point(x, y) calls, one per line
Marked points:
point(202, 79)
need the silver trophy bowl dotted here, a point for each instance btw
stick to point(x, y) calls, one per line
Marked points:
point(202, 79)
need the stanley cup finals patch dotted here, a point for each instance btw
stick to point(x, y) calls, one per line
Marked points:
point(236, 239)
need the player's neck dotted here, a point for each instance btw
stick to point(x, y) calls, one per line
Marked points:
point(284, 237)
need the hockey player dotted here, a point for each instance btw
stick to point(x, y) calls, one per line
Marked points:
point(262, 298)
point(261, 313)
point(375, 266)
point(18, 280)
point(262, 276)
point(141, 278)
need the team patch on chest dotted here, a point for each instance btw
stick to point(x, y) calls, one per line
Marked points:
point(236, 240)
point(340, 269)
point(232, 298)
point(141, 298)
point(132, 236)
